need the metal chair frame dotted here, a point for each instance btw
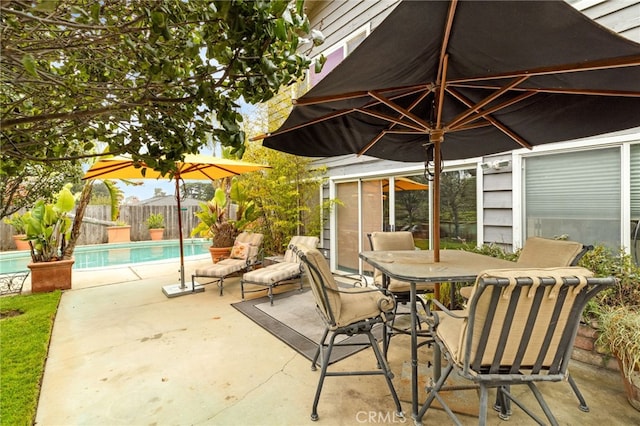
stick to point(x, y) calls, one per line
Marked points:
point(365, 327)
point(500, 376)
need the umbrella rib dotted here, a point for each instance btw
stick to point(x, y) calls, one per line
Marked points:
point(109, 168)
point(477, 107)
point(445, 39)
point(359, 94)
point(371, 143)
point(496, 123)
point(404, 112)
point(392, 120)
point(626, 61)
point(305, 124)
point(593, 92)
point(461, 124)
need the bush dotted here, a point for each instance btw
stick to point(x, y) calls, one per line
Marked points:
point(603, 262)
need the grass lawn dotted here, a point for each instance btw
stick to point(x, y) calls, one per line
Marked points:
point(25, 331)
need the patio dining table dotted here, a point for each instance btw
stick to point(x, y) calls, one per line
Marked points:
point(418, 266)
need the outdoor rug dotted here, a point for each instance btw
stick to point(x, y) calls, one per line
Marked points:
point(294, 320)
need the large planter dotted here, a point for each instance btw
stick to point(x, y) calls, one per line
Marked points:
point(219, 253)
point(50, 276)
point(631, 386)
point(119, 234)
point(20, 243)
point(156, 234)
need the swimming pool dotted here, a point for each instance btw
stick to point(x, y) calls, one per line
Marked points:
point(102, 255)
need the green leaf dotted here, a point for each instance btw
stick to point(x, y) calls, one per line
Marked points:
point(29, 64)
point(95, 12)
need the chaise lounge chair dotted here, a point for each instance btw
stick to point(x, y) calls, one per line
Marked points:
point(245, 255)
point(278, 273)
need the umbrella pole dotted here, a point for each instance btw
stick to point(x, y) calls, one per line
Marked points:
point(180, 289)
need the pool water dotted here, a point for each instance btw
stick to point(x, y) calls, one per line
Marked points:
point(102, 255)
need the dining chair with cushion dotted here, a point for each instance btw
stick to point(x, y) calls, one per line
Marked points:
point(518, 329)
point(277, 273)
point(346, 311)
point(541, 252)
point(245, 255)
point(401, 290)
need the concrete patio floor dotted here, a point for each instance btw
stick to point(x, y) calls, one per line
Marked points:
point(124, 354)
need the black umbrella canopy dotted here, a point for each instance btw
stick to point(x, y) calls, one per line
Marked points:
point(482, 77)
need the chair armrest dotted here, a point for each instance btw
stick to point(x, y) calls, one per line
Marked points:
point(442, 308)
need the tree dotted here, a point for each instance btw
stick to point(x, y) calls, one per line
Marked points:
point(199, 191)
point(286, 195)
point(457, 197)
point(33, 182)
point(148, 78)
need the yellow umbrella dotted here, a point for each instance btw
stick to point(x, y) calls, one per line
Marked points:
point(193, 167)
point(405, 184)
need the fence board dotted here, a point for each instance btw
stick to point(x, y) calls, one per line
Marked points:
point(136, 216)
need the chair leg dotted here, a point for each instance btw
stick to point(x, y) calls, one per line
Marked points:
point(388, 375)
point(314, 362)
point(242, 289)
point(221, 285)
point(583, 404)
point(270, 294)
point(433, 395)
point(325, 364)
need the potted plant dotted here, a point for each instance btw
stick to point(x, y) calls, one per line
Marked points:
point(155, 224)
point(615, 314)
point(216, 224)
point(619, 333)
point(47, 229)
point(17, 221)
point(120, 231)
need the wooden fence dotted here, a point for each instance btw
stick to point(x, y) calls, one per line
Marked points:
point(96, 219)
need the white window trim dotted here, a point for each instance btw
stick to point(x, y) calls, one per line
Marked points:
point(621, 141)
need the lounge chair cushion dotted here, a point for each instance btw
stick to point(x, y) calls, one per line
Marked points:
point(273, 273)
point(222, 268)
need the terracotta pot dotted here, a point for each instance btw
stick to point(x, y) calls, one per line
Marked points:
point(50, 276)
point(119, 234)
point(156, 233)
point(631, 386)
point(219, 253)
point(20, 244)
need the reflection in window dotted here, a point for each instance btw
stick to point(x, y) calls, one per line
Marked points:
point(635, 203)
point(411, 207)
point(575, 194)
point(458, 209)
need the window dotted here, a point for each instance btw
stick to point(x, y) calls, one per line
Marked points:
point(574, 194)
point(635, 203)
point(337, 53)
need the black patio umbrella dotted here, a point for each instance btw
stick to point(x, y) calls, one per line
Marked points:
point(444, 80)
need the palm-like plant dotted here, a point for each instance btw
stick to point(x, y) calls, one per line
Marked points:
point(215, 222)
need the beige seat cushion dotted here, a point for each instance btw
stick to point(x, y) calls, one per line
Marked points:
point(273, 273)
point(347, 305)
point(453, 331)
point(400, 240)
point(546, 253)
point(359, 305)
point(222, 268)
